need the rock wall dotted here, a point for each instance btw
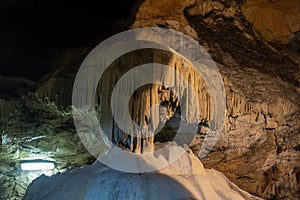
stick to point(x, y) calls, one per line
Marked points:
point(276, 20)
point(258, 150)
point(33, 130)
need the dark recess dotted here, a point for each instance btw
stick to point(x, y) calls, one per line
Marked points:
point(32, 29)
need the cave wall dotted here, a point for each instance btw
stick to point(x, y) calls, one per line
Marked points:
point(35, 130)
point(258, 148)
point(276, 20)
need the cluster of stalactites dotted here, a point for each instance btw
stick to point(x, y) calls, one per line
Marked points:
point(151, 94)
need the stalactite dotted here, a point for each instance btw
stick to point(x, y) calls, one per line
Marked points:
point(147, 96)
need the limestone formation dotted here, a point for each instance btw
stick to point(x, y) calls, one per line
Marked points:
point(184, 179)
point(147, 96)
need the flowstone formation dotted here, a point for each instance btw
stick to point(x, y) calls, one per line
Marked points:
point(184, 179)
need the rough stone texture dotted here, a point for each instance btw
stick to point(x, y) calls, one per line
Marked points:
point(258, 149)
point(277, 21)
point(165, 13)
point(30, 130)
point(56, 85)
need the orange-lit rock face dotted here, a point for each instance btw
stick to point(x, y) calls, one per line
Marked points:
point(277, 21)
point(162, 10)
point(254, 146)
